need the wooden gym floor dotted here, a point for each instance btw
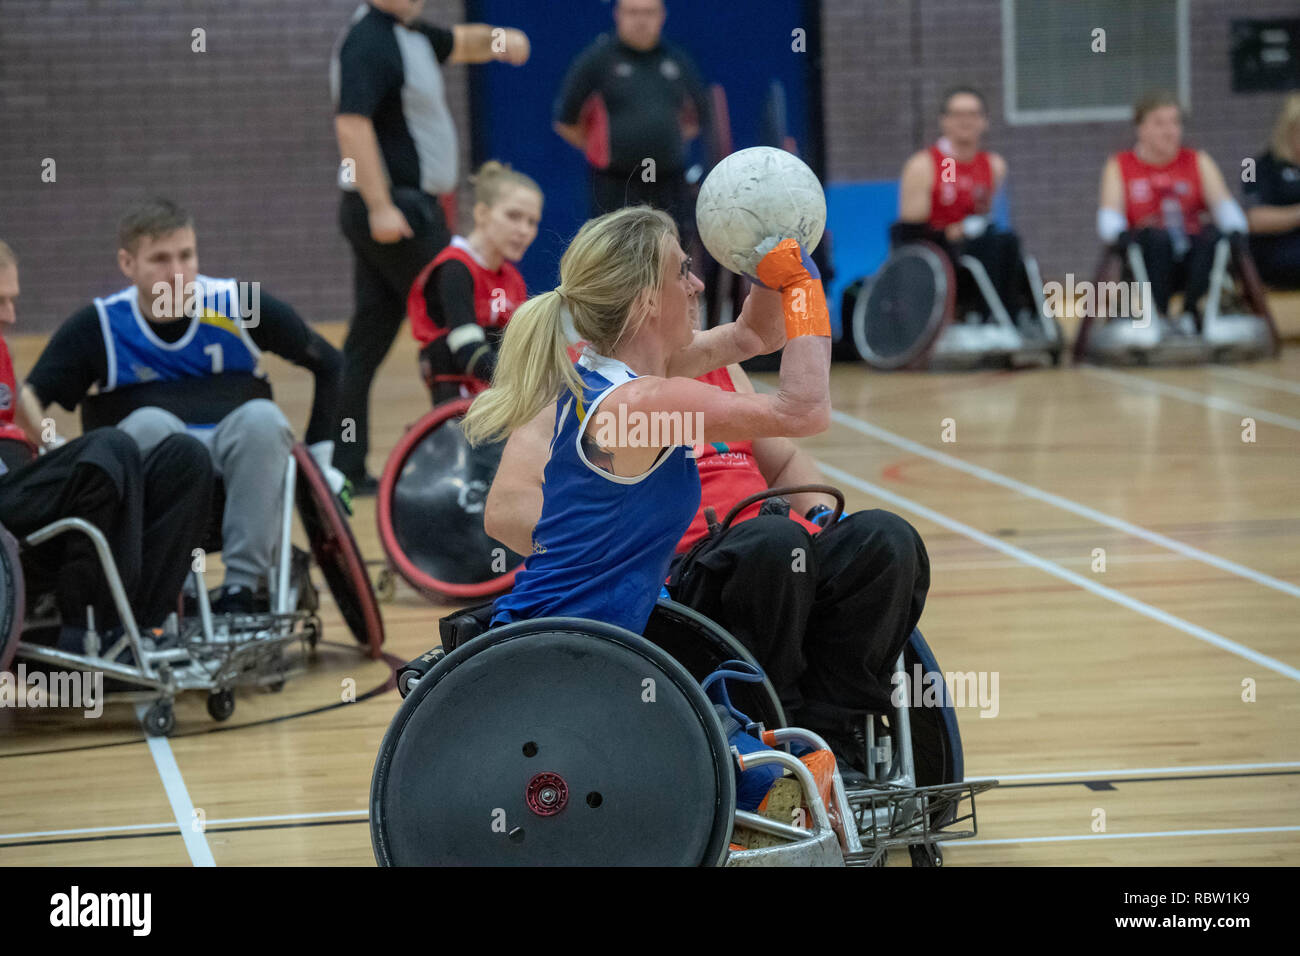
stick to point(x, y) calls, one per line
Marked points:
point(1146, 713)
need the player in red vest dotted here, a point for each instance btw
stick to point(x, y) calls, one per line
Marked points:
point(825, 611)
point(1163, 196)
point(17, 433)
point(460, 302)
point(946, 197)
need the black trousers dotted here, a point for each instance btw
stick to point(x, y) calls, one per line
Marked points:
point(1168, 273)
point(669, 192)
point(1278, 258)
point(826, 615)
point(153, 511)
point(381, 278)
point(999, 253)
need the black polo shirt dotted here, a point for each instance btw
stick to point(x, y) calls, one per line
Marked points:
point(390, 73)
point(644, 95)
point(1277, 182)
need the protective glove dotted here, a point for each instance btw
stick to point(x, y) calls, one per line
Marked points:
point(323, 454)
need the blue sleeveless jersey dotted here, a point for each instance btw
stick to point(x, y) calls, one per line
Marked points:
point(215, 341)
point(603, 545)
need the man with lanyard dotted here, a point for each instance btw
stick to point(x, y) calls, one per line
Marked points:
point(399, 150)
point(946, 197)
point(153, 510)
point(166, 363)
point(629, 98)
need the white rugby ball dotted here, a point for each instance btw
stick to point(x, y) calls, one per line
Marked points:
point(754, 195)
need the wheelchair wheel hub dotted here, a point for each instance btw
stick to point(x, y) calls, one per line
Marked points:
point(547, 794)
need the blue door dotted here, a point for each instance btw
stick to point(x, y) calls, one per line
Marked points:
point(742, 46)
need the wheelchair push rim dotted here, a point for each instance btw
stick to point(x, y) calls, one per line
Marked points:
point(936, 741)
point(429, 584)
point(336, 552)
point(12, 599)
point(943, 281)
point(554, 741)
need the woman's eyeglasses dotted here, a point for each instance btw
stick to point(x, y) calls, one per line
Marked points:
point(686, 267)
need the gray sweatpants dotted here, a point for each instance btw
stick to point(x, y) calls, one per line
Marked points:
point(250, 450)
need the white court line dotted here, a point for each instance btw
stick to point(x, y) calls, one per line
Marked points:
point(1054, 569)
point(172, 825)
point(1133, 380)
point(1226, 831)
point(182, 807)
point(1256, 379)
point(1002, 777)
point(1065, 504)
point(1158, 557)
point(1142, 771)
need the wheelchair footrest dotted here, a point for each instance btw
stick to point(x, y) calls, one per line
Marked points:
point(895, 817)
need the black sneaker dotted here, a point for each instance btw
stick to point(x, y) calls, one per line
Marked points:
point(363, 485)
point(854, 779)
point(236, 599)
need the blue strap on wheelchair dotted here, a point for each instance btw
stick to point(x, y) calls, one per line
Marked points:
point(715, 687)
point(820, 515)
point(751, 785)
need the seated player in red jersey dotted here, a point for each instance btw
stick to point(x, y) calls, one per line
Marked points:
point(825, 611)
point(946, 197)
point(1162, 195)
point(460, 302)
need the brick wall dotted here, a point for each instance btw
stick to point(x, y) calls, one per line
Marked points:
point(887, 62)
point(242, 134)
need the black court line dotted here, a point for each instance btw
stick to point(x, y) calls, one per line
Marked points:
point(394, 663)
point(1091, 784)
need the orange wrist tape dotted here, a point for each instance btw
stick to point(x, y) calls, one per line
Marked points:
point(802, 296)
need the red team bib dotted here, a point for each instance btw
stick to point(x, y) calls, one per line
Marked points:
point(728, 473)
point(496, 294)
point(1147, 187)
point(8, 397)
point(960, 189)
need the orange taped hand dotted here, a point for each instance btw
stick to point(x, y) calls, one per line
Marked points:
point(802, 295)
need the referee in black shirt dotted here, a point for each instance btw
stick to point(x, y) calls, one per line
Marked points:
point(630, 99)
point(398, 144)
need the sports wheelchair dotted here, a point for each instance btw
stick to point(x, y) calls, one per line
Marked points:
point(909, 315)
point(1237, 325)
point(564, 741)
point(430, 507)
point(211, 653)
